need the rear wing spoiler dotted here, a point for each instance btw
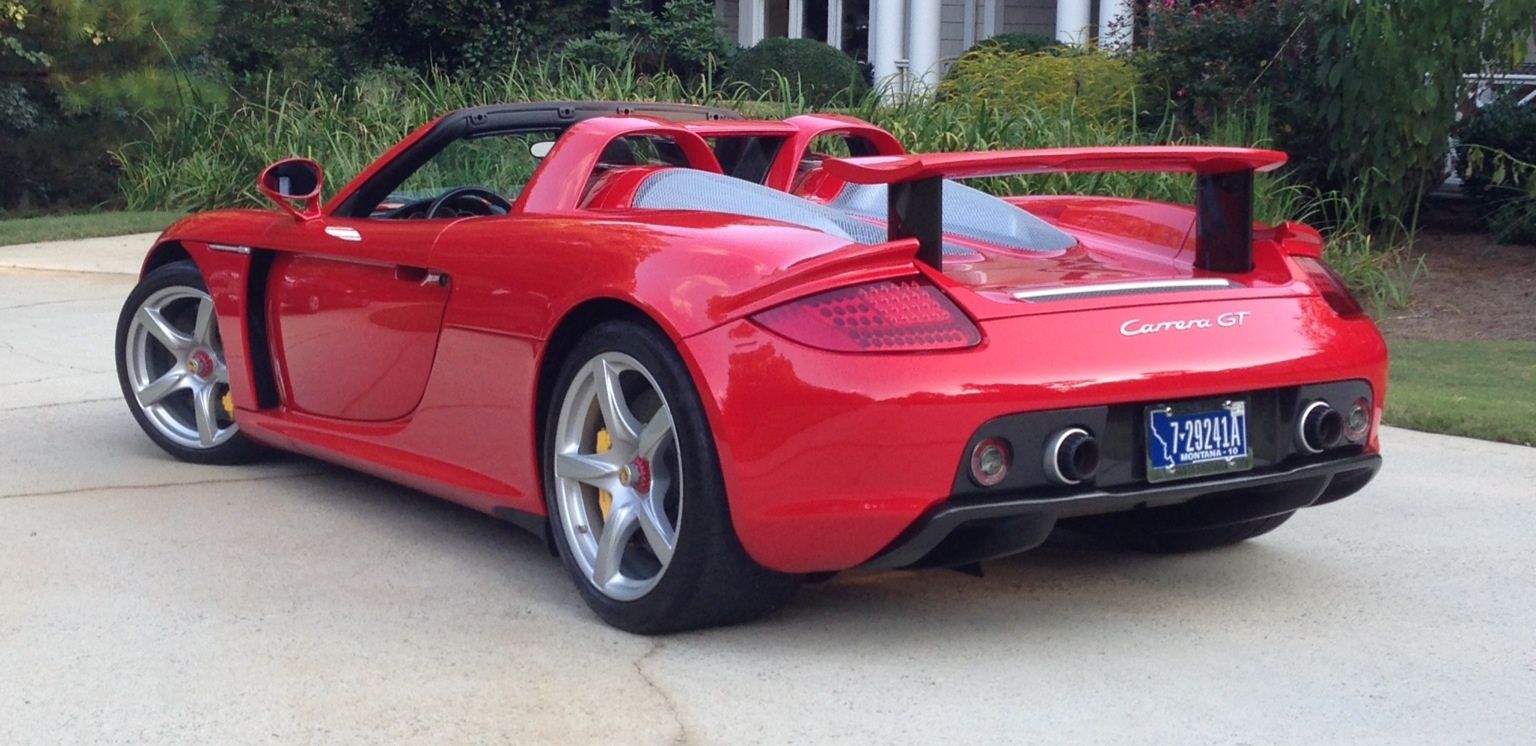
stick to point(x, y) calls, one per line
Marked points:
point(1223, 188)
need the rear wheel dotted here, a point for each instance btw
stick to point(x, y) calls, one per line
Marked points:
point(635, 494)
point(170, 365)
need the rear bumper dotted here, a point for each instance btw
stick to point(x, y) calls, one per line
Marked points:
point(830, 458)
point(963, 531)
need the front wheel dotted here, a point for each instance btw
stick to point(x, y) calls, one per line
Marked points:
point(170, 365)
point(635, 494)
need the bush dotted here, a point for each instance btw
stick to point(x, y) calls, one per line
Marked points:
point(825, 76)
point(1093, 85)
point(472, 35)
point(1496, 159)
point(1506, 128)
point(683, 40)
point(1206, 58)
point(1018, 42)
point(1515, 221)
point(1364, 92)
point(608, 50)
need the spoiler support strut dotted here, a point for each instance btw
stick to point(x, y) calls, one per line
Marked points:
point(915, 209)
point(1224, 221)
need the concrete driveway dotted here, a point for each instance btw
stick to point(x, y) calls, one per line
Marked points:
point(148, 601)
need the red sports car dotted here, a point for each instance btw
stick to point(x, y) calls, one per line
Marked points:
point(707, 358)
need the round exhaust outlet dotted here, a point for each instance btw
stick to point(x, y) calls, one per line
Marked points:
point(1071, 456)
point(1321, 427)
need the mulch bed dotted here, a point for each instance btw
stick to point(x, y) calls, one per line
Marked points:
point(1473, 289)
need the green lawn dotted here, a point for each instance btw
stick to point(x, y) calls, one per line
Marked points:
point(1479, 389)
point(88, 225)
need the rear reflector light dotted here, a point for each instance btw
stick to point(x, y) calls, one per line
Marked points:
point(989, 461)
point(887, 316)
point(1330, 286)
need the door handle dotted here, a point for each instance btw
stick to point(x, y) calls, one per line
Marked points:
point(421, 276)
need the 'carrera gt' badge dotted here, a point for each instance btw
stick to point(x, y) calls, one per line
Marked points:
point(1136, 327)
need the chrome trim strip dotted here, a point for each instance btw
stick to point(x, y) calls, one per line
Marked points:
point(229, 248)
point(343, 232)
point(1123, 288)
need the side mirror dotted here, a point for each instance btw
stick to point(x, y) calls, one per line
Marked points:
point(290, 181)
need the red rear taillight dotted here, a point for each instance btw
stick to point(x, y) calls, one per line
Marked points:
point(886, 316)
point(1330, 286)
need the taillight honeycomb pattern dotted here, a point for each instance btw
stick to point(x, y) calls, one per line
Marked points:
point(888, 316)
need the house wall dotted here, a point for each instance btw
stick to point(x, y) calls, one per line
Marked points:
point(729, 13)
point(952, 29)
point(1033, 16)
point(1028, 16)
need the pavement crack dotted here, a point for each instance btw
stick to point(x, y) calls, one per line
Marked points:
point(44, 303)
point(31, 381)
point(159, 485)
point(44, 361)
point(58, 404)
point(666, 698)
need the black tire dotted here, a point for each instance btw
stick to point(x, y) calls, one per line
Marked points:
point(237, 449)
point(709, 581)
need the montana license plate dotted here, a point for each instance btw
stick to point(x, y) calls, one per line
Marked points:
point(1197, 439)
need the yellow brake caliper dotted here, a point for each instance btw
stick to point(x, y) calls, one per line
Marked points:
point(604, 497)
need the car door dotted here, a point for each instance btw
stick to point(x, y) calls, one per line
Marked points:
point(353, 313)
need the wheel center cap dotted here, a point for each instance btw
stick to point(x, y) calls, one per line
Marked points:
point(636, 474)
point(200, 364)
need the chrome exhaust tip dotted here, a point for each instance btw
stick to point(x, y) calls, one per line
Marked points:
point(1321, 427)
point(1071, 456)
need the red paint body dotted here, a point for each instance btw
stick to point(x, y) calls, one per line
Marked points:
point(380, 365)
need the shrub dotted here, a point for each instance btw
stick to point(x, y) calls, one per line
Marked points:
point(1496, 159)
point(1208, 57)
point(471, 35)
point(1364, 92)
point(1092, 85)
point(609, 50)
point(1018, 42)
point(824, 75)
point(1515, 221)
point(684, 40)
point(1501, 127)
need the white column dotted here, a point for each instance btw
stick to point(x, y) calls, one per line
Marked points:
point(796, 19)
point(989, 18)
point(751, 19)
point(1115, 22)
point(1072, 21)
point(923, 41)
point(885, 41)
point(968, 33)
point(835, 23)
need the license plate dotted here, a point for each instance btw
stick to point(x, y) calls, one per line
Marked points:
point(1197, 439)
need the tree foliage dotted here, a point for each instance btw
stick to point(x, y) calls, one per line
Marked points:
point(469, 35)
point(684, 39)
point(75, 76)
point(1363, 92)
point(100, 54)
point(287, 40)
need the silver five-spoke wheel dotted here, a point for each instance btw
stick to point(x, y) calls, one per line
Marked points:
point(175, 369)
point(618, 476)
